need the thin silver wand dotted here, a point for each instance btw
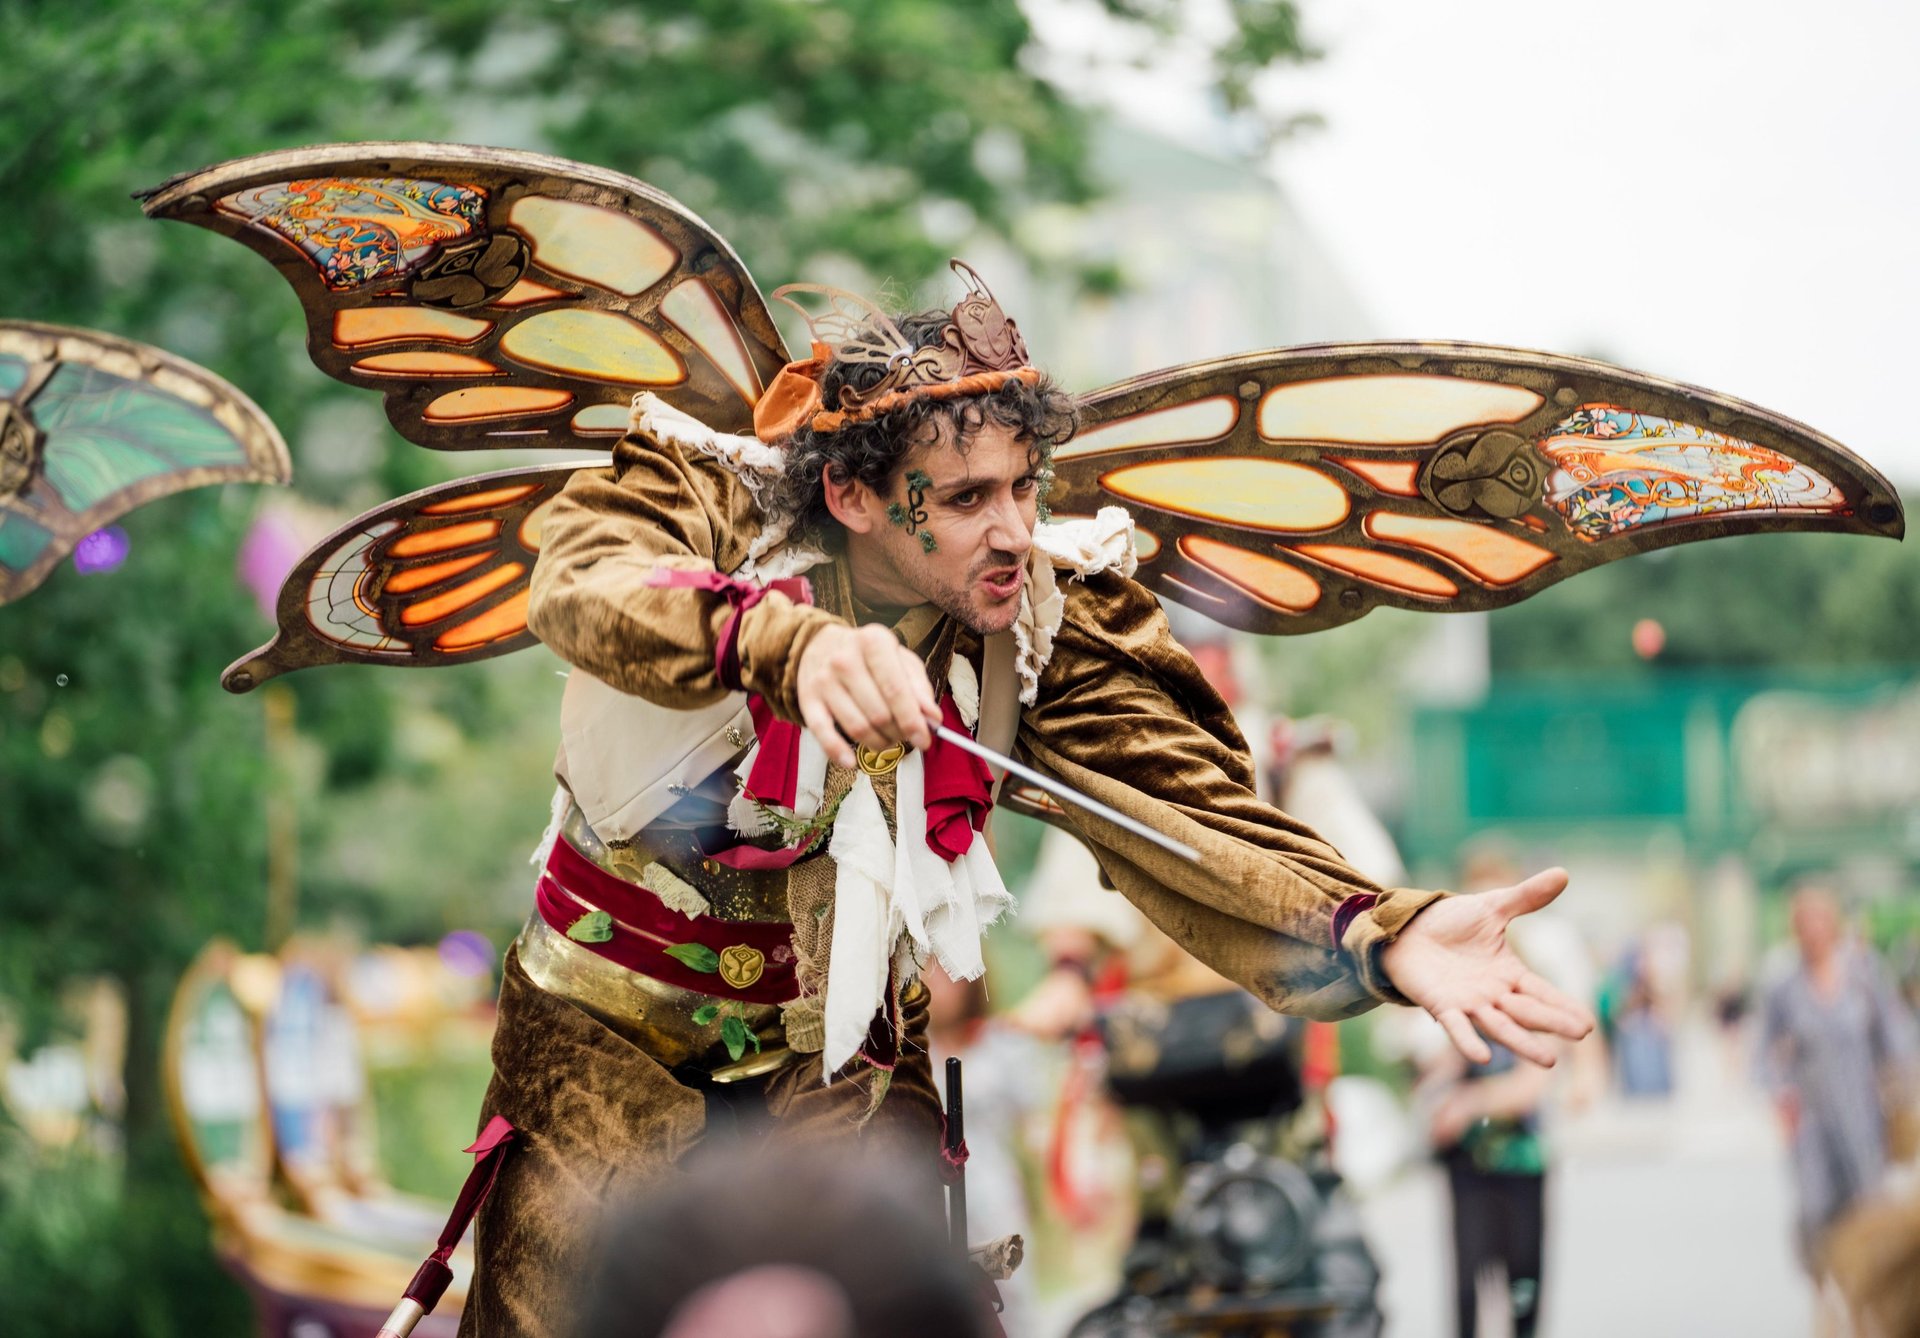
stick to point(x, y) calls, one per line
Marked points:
point(1062, 791)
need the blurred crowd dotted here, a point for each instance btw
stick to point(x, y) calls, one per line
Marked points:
point(1172, 1156)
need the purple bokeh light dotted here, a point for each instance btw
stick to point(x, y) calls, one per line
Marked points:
point(267, 555)
point(103, 550)
point(466, 952)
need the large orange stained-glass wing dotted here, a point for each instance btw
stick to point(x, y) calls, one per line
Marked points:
point(496, 298)
point(437, 577)
point(1297, 489)
point(92, 426)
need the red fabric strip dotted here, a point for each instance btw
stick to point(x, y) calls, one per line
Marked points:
point(633, 904)
point(774, 778)
point(775, 775)
point(753, 857)
point(953, 1160)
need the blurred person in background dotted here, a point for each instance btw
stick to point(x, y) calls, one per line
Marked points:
point(1484, 1123)
point(747, 1245)
point(1640, 1003)
point(1486, 1130)
point(1641, 1036)
point(1835, 1039)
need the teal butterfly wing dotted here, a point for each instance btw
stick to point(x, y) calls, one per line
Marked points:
point(1298, 489)
point(93, 425)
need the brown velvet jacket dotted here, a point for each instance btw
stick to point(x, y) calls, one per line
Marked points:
point(1123, 714)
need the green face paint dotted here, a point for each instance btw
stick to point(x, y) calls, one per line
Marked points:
point(914, 514)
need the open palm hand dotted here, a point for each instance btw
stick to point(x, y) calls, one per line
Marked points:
point(1453, 960)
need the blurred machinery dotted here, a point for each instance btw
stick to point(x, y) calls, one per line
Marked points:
point(1245, 1232)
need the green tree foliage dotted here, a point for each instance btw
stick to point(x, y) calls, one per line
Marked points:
point(132, 791)
point(1765, 601)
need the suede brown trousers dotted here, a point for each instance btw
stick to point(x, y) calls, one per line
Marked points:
point(598, 1117)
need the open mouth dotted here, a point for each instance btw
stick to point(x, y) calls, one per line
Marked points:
point(1003, 582)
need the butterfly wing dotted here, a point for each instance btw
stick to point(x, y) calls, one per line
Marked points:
point(1294, 490)
point(437, 577)
point(92, 426)
point(496, 298)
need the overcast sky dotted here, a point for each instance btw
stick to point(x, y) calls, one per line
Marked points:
point(1721, 191)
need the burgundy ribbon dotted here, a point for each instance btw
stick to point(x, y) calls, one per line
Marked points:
point(489, 1153)
point(774, 778)
point(959, 790)
point(742, 595)
point(1347, 911)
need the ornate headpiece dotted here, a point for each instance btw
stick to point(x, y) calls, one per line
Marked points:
point(979, 350)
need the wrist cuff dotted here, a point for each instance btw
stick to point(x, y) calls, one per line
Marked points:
point(1366, 930)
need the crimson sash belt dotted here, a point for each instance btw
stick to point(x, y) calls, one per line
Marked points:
point(644, 927)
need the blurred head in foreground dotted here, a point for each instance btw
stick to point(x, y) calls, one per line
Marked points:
point(748, 1245)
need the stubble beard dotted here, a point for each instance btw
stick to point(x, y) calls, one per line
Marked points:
point(957, 600)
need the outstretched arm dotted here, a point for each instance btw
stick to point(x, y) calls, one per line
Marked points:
point(1125, 715)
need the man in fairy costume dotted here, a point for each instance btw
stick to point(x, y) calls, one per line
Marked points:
point(759, 840)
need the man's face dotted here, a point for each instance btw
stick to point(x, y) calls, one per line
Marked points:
point(978, 505)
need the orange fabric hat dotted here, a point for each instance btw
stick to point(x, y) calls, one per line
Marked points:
point(792, 399)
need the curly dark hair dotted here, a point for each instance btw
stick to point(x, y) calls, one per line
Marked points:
point(1039, 412)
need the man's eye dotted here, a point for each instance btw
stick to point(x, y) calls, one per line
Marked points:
point(967, 498)
point(1025, 485)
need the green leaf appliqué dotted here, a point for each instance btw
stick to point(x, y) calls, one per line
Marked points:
point(736, 1036)
point(705, 1013)
point(694, 956)
point(593, 927)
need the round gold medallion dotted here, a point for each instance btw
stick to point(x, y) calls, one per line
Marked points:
point(879, 764)
point(740, 965)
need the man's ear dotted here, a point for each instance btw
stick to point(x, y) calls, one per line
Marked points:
point(849, 501)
